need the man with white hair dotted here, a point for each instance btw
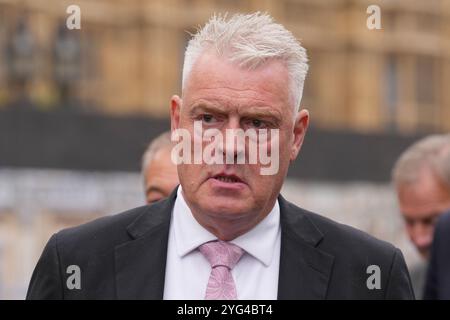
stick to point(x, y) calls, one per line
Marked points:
point(158, 171)
point(421, 178)
point(226, 232)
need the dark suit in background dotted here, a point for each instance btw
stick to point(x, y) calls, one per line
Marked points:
point(437, 286)
point(124, 257)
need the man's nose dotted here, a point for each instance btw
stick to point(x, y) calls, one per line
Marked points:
point(422, 235)
point(233, 148)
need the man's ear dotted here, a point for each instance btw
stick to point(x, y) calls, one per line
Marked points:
point(175, 107)
point(299, 132)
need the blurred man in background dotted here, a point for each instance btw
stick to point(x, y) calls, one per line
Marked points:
point(422, 180)
point(158, 171)
point(437, 285)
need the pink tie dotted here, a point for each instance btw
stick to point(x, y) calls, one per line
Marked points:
point(222, 256)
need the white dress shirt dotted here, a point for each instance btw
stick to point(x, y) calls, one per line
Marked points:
point(187, 270)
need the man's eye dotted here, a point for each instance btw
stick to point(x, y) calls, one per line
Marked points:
point(257, 123)
point(207, 118)
point(153, 200)
point(428, 221)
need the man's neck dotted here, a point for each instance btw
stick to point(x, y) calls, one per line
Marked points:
point(226, 228)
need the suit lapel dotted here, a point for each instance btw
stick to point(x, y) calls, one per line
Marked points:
point(140, 264)
point(304, 269)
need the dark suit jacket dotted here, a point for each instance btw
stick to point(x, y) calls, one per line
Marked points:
point(437, 286)
point(124, 257)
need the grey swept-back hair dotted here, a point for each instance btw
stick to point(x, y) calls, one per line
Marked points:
point(432, 151)
point(250, 40)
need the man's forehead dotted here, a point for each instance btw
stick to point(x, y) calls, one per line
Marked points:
point(424, 184)
point(421, 203)
point(424, 211)
point(212, 73)
point(163, 153)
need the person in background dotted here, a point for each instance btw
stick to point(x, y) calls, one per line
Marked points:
point(421, 177)
point(158, 170)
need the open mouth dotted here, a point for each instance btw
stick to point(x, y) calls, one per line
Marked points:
point(227, 178)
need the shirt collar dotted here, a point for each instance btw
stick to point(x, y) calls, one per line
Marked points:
point(189, 234)
point(259, 242)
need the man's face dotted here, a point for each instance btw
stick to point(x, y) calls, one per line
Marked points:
point(421, 203)
point(161, 176)
point(223, 96)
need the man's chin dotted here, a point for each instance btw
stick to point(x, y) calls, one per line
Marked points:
point(226, 207)
point(424, 253)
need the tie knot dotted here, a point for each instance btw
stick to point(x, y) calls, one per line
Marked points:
point(221, 253)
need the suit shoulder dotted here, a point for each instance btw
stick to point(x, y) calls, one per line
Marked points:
point(444, 220)
point(108, 230)
point(441, 230)
point(338, 236)
point(349, 235)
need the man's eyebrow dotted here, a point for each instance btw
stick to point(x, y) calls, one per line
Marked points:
point(432, 215)
point(213, 108)
point(261, 112)
point(154, 189)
